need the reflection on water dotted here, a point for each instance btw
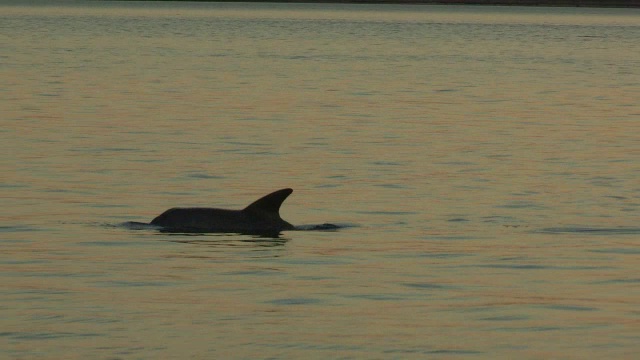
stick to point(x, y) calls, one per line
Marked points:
point(217, 241)
point(487, 155)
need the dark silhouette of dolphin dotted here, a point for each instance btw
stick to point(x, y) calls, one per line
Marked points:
point(261, 217)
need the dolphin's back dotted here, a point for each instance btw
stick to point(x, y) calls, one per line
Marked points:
point(197, 219)
point(262, 216)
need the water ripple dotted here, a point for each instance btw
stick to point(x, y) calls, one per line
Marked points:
point(294, 301)
point(591, 230)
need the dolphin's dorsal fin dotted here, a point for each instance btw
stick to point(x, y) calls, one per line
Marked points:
point(269, 203)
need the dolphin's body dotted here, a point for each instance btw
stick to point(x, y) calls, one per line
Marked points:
point(261, 217)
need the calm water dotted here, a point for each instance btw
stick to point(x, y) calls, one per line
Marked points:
point(486, 160)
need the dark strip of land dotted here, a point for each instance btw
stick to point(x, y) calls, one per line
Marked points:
point(563, 3)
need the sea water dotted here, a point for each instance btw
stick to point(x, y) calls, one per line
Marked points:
point(483, 164)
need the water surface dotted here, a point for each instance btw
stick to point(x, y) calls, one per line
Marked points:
point(485, 158)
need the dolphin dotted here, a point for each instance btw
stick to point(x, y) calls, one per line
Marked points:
point(260, 217)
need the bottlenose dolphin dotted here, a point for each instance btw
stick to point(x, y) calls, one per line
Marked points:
point(260, 217)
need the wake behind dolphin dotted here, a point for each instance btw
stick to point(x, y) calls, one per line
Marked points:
point(260, 217)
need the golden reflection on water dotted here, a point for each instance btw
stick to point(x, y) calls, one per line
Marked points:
point(486, 167)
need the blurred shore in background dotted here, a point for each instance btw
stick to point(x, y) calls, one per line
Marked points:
point(559, 3)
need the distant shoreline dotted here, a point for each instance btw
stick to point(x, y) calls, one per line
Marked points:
point(547, 3)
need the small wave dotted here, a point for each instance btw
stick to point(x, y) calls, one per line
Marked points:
point(134, 225)
point(592, 230)
point(295, 301)
point(320, 227)
point(18, 228)
point(323, 227)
